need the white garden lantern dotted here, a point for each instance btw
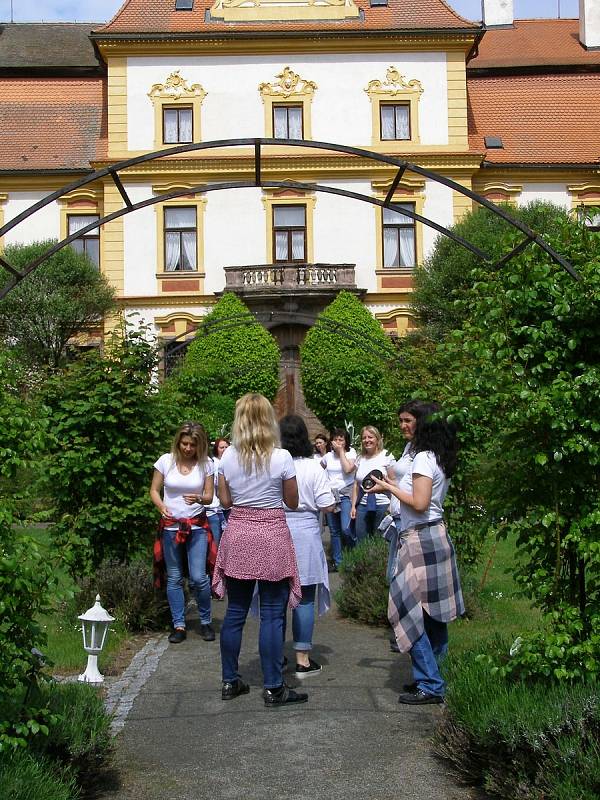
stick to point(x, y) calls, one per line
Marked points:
point(94, 627)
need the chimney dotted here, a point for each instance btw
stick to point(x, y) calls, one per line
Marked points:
point(589, 24)
point(499, 13)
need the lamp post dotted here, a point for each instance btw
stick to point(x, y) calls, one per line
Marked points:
point(94, 627)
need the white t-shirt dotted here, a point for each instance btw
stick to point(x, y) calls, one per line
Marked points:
point(364, 465)
point(175, 485)
point(212, 508)
point(257, 489)
point(333, 466)
point(398, 471)
point(424, 463)
point(314, 489)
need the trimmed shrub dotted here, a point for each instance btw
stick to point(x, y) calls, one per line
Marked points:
point(231, 355)
point(363, 595)
point(520, 741)
point(346, 358)
point(23, 777)
point(128, 593)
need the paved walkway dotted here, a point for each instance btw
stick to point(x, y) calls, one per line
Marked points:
point(351, 741)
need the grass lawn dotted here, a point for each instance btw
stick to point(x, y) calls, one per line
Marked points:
point(495, 610)
point(65, 643)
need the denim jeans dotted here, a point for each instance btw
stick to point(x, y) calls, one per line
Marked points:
point(368, 521)
point(199, 582)
point(216, 525)
point(273, 603)
point(426, 655)
point(303, 618)
point(338, 523)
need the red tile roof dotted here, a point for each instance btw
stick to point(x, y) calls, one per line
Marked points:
point(541, 119)
point(534, 42)
point(159, 16)
point(51, 123)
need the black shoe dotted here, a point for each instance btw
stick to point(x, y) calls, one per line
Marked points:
point(283, 696)
point(233, 689)
point(411, 688)
point(178, 635)
point(312, 669)
point(207, 632)
point(420, 698)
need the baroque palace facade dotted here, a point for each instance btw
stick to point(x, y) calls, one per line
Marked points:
point(507, 108)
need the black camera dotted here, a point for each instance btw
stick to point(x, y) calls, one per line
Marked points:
point(368, 482)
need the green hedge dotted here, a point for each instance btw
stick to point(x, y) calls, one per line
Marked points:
point(363, 595)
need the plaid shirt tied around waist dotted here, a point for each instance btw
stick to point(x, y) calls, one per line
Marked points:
point(184, 530)
point(426, 579)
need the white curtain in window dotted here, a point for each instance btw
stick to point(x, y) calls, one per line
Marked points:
point(298, 245)
point(281, 246)
point(289, 216)
point(402, 123)
point(189, 250)
point(407, 247)
point(170, 125)
point(180, 218)
point(79, 221)
point(397, 218)
point(185, 125)
point(295, 123)
point(388, 125)
point(171, 252)
point(280, 126)
point(391, 256)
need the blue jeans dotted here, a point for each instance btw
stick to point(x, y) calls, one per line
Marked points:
point(273, 603)
point(303, 618)
point(426, 655)
point(338, 523)
point(199, 582)
point(368, 521)
point(216, 525)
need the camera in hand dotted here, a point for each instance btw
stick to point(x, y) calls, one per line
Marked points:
point(368, 482)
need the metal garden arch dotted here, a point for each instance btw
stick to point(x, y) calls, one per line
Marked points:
point(402, 166)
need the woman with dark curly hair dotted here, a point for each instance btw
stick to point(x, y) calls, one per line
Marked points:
point(425, 592)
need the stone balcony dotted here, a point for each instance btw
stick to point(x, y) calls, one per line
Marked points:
point(289, 278)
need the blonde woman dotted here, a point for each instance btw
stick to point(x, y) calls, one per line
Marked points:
point(182, 484)
point(256, 477)
point(369, 509)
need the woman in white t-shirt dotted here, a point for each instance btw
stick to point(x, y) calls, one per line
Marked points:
point(256, 477)
point(182, 484)
point(315, 496)
point(369, 509)
point(425, 593)
point(340, 464)
point(214, 512)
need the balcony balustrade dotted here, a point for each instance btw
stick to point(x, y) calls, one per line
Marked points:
point(289, 278)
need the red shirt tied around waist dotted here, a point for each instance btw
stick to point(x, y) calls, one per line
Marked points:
point(256, 550)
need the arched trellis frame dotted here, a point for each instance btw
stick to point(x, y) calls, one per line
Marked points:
point(402, 166)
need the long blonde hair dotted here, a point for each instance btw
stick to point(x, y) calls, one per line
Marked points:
point(255, 431)
point(195, 431)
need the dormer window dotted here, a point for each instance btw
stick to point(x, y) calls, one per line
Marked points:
point(184, 5)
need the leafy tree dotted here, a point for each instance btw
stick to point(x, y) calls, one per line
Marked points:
point(108, 427)
point(346, 358)
point(445, 278)
point(64, 296)
point(232, 354)
point(526, 388)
